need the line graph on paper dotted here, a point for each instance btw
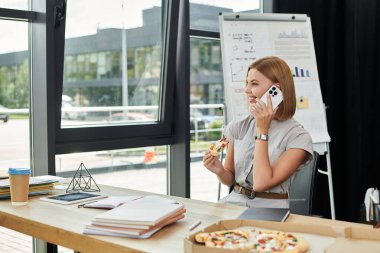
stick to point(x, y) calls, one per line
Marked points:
point(242, 54)
point(238, 68)
point(243, 44)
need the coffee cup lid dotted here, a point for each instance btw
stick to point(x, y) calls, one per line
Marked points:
point(19, 171)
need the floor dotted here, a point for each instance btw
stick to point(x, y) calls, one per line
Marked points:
point(11, 241)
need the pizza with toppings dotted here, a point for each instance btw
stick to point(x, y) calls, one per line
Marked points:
point(276, 241)
point(217, 147)
point(255, 240)
point(227, 239)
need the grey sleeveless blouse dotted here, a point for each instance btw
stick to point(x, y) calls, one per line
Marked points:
point(283, 135)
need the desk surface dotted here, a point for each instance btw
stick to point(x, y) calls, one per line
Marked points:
point(63, 225)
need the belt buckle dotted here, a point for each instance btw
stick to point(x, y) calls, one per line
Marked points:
point(252, 195)
point(238, 188)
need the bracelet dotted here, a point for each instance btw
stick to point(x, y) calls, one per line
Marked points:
point(263, 137)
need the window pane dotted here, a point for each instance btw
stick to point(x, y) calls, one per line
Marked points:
point(138, 168)
point(14, 114)
point(207, 90)
point(141, 169)
point(14, 95)
point(112, 65)
point(14, 4)
point(204, 14)
point(206, 113)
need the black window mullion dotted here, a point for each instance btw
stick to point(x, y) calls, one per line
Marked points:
point(96, 138)
point(204, 34)
point(17, 15)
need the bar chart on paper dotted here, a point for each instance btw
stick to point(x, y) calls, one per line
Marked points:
point(300, 72)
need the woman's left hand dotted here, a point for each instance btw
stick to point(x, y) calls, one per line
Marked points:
point(263, 114)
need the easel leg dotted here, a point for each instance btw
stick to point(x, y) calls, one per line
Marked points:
point(329, 177)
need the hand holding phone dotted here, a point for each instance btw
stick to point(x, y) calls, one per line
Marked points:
point(275, 94)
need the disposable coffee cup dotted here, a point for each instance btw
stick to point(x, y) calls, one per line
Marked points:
point(19, 184)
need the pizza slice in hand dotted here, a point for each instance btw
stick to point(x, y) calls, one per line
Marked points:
point(217, 147)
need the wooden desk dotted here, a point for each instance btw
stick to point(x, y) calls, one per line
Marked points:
point(63, 225)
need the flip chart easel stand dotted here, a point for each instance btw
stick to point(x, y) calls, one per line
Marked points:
point(323, 148)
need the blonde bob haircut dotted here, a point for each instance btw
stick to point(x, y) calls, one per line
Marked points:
point(278, 71)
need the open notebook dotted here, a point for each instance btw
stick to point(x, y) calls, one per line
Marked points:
point(110, 202)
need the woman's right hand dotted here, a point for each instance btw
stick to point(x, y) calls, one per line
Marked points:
point(212, 163)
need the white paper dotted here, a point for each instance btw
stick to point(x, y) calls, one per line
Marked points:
point(153, 199)
point(4, 183)
point(98, 232)
point(111, 202)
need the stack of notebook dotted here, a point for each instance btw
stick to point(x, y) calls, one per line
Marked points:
point(4, 173)
point(37, 186)
point(137, 218)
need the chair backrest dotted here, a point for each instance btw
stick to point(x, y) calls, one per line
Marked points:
point(301, 190)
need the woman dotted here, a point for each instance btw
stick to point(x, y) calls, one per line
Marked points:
point(267, 146)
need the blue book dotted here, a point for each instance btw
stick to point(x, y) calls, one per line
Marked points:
point(269, 214)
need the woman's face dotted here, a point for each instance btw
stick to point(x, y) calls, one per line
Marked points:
point(257, 85)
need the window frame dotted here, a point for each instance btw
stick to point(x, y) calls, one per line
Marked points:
point(31, 17)
point(17, 15)
point(85, 138)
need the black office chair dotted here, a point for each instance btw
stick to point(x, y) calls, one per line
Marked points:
point(301, 190)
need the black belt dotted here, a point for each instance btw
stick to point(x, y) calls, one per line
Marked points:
point(265, 195)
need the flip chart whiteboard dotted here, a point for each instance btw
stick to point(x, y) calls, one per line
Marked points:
point(247, 37)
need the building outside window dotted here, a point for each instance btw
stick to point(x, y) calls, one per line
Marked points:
point(14, 114)
point(206, 87)
point(93, 70)
point(111, 62)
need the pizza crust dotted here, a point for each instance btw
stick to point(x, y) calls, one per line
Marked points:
point(301, 246)
point(202, 237)
point(229, 245)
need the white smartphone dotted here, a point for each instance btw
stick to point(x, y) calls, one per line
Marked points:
point(275, 94)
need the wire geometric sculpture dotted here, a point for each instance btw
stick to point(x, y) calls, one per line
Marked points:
point(82, 181)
